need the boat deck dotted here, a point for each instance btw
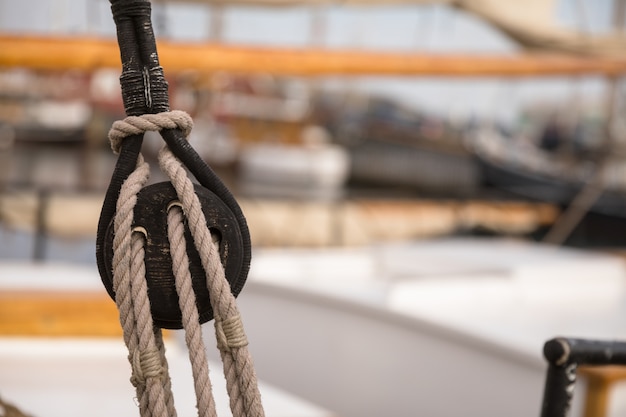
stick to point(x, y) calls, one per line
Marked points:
point(87, 377)
point(389, 329)
point(433, 320)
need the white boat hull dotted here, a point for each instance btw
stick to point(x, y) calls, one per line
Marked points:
point(456, 338)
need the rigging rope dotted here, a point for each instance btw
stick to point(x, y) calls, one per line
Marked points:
point(133, 243)
point(9, 410)
point(143, 339)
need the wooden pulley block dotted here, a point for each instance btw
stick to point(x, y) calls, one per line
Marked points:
point(150, 218)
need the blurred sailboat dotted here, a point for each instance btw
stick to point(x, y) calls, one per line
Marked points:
point(577, 167)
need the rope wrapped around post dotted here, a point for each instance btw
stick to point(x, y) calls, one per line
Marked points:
point(130, 247)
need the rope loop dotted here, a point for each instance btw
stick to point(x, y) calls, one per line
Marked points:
point(137, 125)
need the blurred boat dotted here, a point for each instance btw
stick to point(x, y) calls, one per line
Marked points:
point(53, 121)
point(306, 171)
point(518, 164)
point(442, 328)
point(393, 146)
point(278, 151)
point(44, 108)
point(386, 150)
point(522, 168)
point(61, 350)
point(393, 329)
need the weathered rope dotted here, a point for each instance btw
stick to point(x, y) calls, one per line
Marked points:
point(135, 125)
point(9, 410)
point(146, 353)
point(187, 303)
point(241, 381)
point(131, 297)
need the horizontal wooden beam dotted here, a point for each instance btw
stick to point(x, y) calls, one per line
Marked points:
point(58, 314)
point(32, 313)
point(50, 53)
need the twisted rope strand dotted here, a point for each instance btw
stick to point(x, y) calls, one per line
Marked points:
point(151, 371)
point(121, 246)
point(136, 125)
point(152, 386)
point(121, 265)
point(191, 323)
point(241, 381)
point(158, 336)
point(217, 285)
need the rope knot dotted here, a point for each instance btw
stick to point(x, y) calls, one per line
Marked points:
point(230, 333)
point(145, 363)
point(137, 125)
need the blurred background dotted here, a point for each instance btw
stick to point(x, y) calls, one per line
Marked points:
point(403, 121)
point(433, 188)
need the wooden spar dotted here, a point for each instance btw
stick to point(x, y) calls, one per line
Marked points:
point(58, 313)
point(47, 53)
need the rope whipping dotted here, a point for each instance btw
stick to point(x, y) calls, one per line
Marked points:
point(125, 263)
point(144, 341)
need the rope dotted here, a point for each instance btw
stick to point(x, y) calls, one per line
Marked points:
point(136, 125)
point(146, 352)
point(9, 410)
point(241, 381)
point(187, 303)
point(131, 297)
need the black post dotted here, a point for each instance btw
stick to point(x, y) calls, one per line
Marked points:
point(558, 391)
point(564, 355)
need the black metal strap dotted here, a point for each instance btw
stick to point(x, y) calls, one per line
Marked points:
point(130, 16)
point(145, 90)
